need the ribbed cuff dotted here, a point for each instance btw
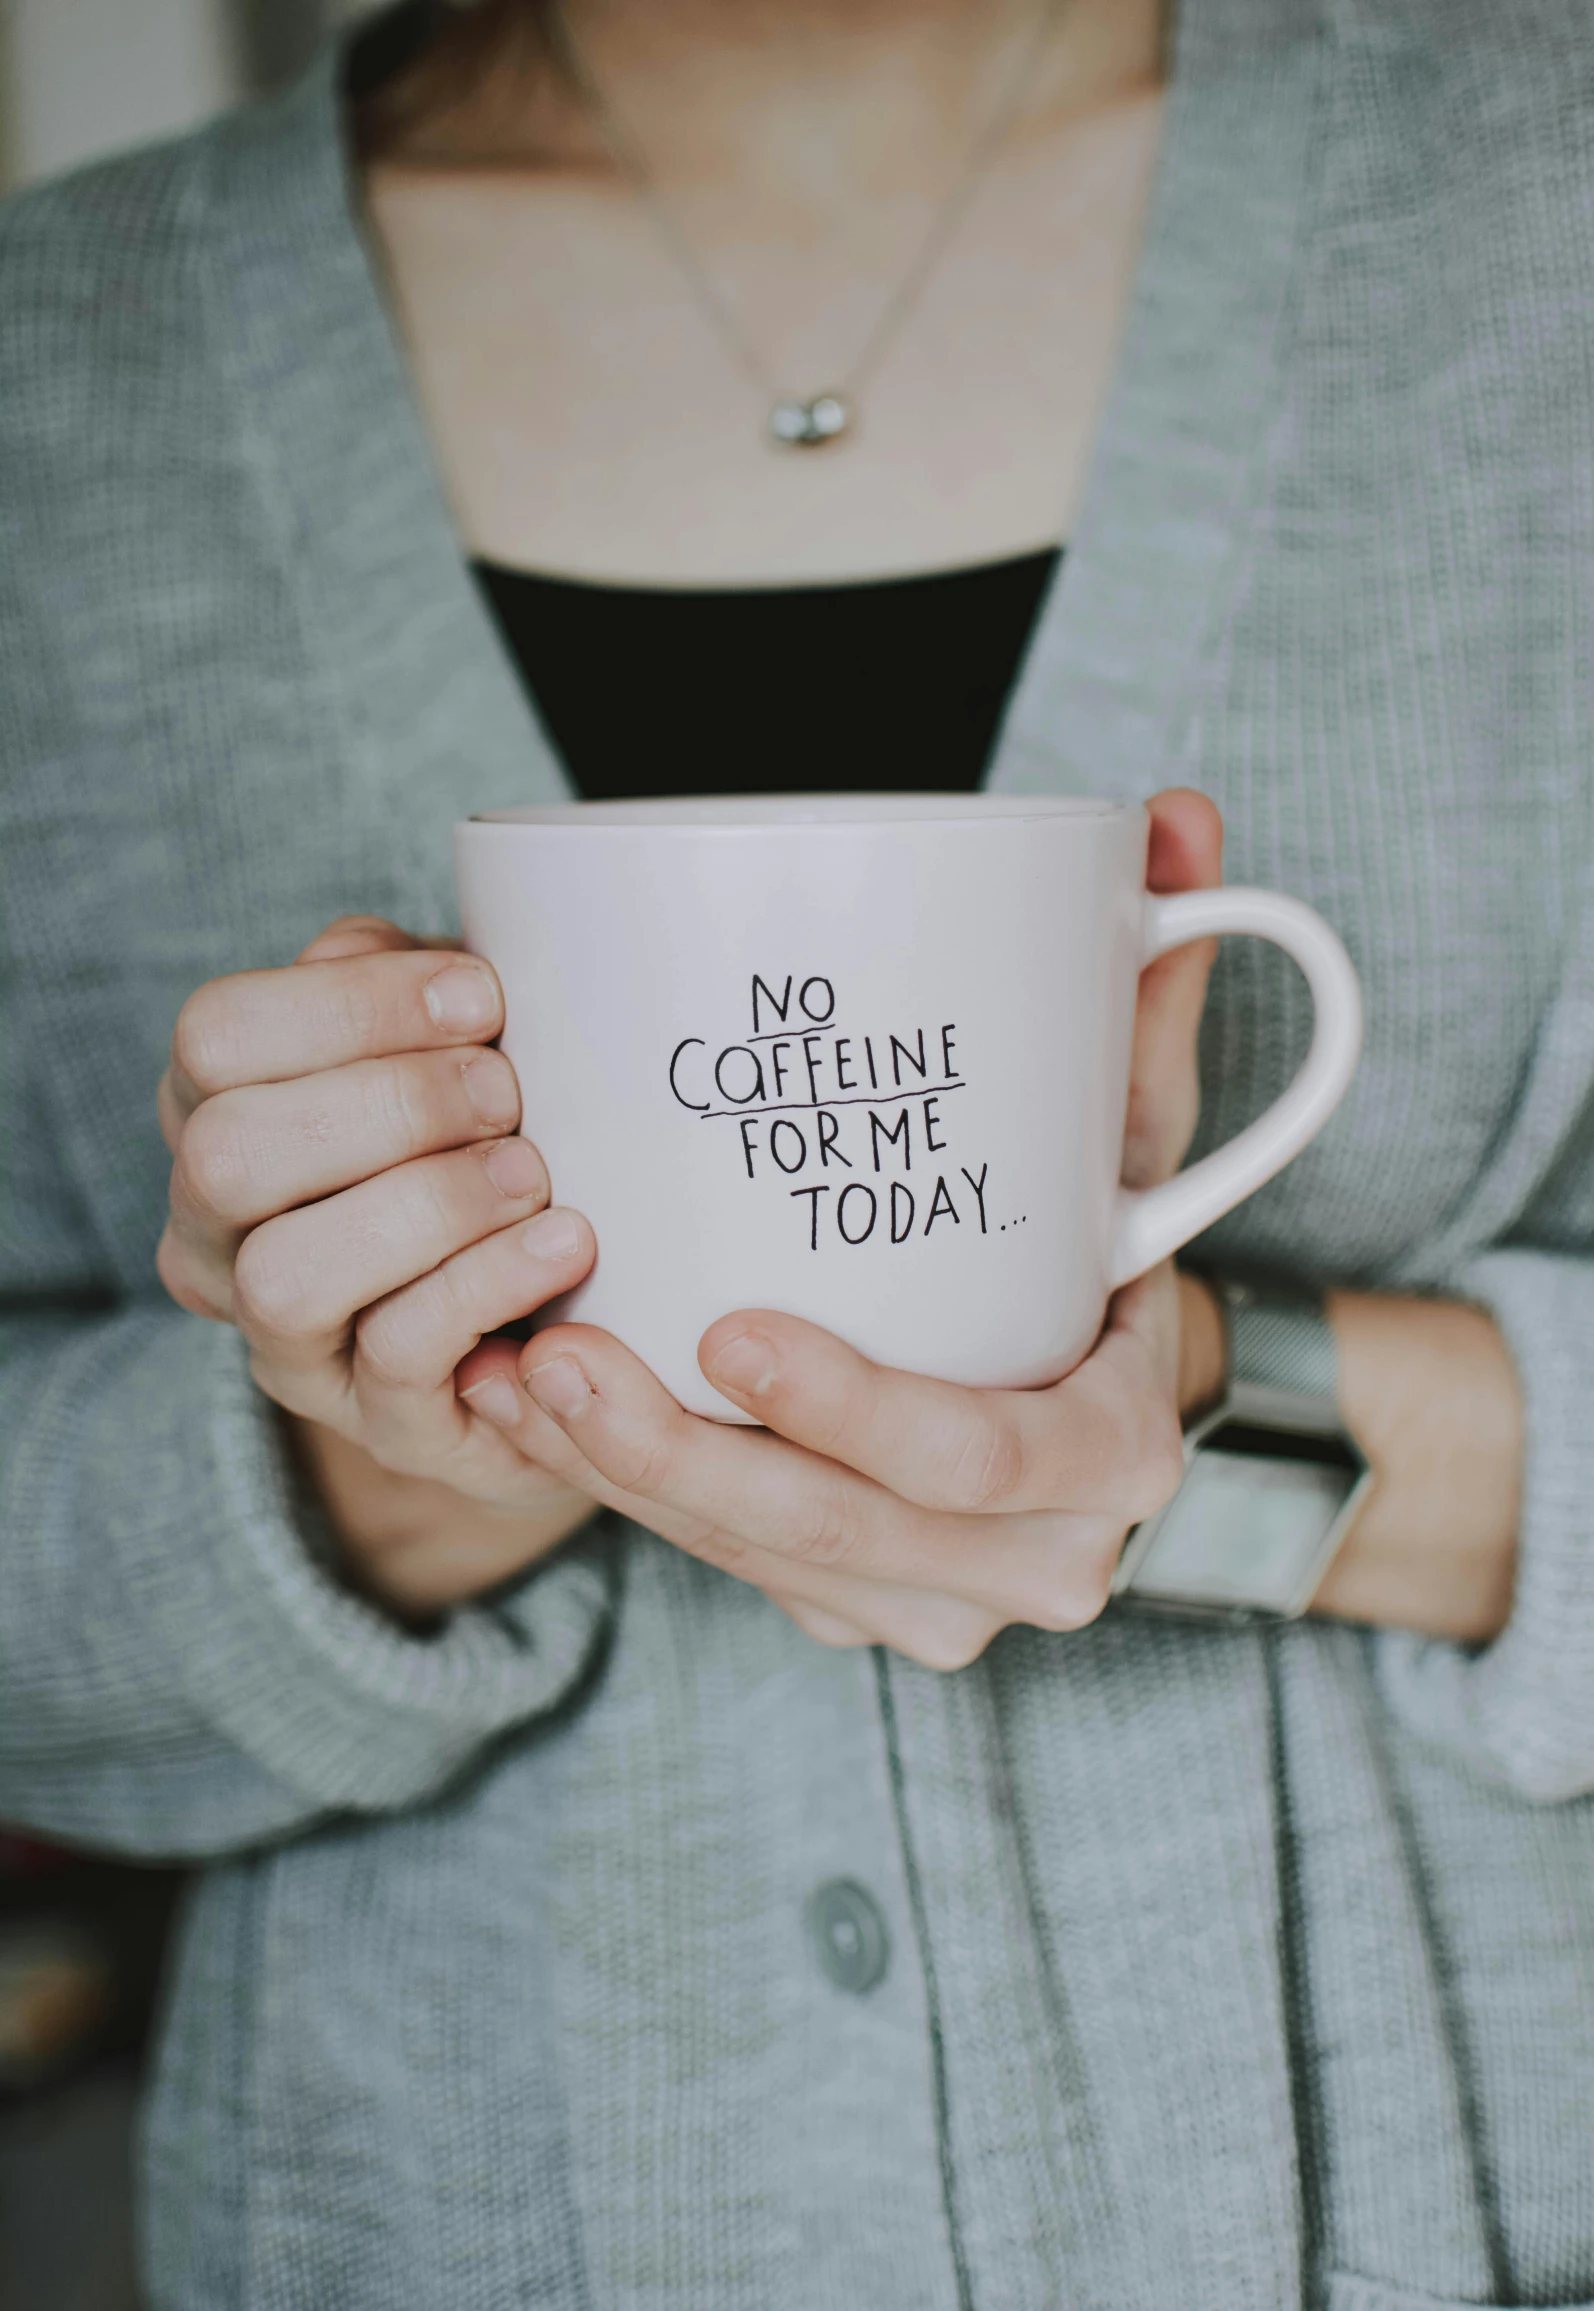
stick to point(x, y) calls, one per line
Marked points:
point(1522, 1710)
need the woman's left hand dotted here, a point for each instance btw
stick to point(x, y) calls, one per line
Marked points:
point(877, 1507)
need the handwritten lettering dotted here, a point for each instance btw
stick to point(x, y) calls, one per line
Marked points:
point(808, 1099)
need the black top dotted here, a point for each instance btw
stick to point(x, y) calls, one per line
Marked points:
point(895, 683)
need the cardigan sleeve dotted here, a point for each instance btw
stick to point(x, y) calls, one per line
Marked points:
point(1521, 1710)
point(179, 1675)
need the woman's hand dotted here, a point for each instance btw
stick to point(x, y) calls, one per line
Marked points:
point(875, 1506)
point(348, 1190)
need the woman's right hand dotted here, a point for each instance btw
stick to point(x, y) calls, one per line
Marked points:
point(348, 1190)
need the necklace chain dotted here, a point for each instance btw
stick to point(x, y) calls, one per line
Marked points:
point(825, 416)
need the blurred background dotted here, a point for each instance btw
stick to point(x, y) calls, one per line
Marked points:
point(81, 77)
point(82, 1940)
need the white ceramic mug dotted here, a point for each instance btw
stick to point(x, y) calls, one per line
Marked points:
point(864, 1059)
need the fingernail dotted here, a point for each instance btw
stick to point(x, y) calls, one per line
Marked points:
point(495, 1399)
point(515, 1168)
point(560, 1387)
point(552, 1235)
point(462, 999)
point(490, 1087)
point(748, 1364)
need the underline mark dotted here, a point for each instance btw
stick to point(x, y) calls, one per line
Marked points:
point(814, 1106)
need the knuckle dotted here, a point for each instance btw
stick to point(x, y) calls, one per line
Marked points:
point(205, 1041)
point(460, 1294)
point(949, 1642)
point(1139, 1455)
point(296, 1393)
point(985, 1464)
point(443, 1202)
point(1081, 1595)
point(827, 1531)
point(403, 1096)
point(169, 1111)
point(353, 934)
point(215, 1162)
point(1096, 1576)
point(338, 1008)
point(175, 1267)
point(170, 1265)
point(388, 1350)
point(1084, 1605)
point(271, 1294)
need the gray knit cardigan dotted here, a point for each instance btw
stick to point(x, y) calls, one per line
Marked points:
point(1222, 1969)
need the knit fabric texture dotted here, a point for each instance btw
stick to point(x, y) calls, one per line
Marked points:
point(1223, 1969)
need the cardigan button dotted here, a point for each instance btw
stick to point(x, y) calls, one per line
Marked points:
point(848, 1935)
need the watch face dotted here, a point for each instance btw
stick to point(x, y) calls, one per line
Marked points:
point(1256, 1509)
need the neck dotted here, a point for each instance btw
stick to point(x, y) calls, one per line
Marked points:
point(811, 97)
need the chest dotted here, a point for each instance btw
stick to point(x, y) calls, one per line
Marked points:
point(595, 414)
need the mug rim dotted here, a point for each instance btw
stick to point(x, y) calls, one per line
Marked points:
point(756, 813)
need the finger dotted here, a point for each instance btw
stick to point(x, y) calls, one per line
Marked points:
point(249, 1154)
point(197, 1282)
point(414, 1340)
point(939, 1629)
point(1185, 853)
point(1105, 1441)
point(488, 1380)
point(441, 1445)
point(357, 935)
point(1145, 1318)
point(349, 935)
point(399, 1394)
point(929, 1626)
point(1185, 843)
point(170, 1112)
point(738, 1488)
point(299, 1280)
point(268, 1026)
point(939, 1632)
point(749, 1487)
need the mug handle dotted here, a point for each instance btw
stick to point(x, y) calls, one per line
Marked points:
point(1152, 1222)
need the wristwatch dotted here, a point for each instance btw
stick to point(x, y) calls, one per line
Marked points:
point(1272, 1480)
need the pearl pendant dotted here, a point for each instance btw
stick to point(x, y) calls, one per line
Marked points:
point(810, 424)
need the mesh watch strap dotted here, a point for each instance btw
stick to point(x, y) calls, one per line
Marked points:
point(1279, 1343)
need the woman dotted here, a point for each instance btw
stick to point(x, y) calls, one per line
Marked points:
point(792, 1885)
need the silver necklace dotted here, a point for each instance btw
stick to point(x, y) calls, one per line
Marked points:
point(797, 421)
